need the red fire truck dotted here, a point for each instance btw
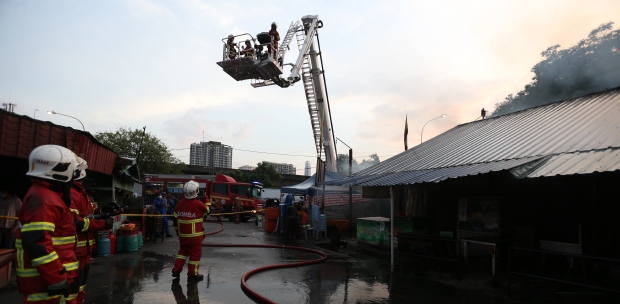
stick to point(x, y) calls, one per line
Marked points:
point(223, 187)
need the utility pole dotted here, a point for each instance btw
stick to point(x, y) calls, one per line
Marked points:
point(350, 188)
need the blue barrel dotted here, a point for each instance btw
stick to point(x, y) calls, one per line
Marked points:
point(140, 240)
point(120, 243)
point(103, 245)
point(131, 242)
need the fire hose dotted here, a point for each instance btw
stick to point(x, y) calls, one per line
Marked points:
point(244, 286)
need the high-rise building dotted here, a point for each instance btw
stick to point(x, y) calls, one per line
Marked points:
point(283, 168)
point(211, 154)
point(307, 169)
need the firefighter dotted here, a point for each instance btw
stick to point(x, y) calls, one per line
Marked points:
point(46, 264)
point(190, 212)
point(275, 37)
point(236, 208)
point(231, 47)
point(161, 204)
point(248, 51)
point(217, 208)
point(86, 226)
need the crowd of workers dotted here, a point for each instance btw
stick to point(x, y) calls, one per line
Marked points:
point(248, 50)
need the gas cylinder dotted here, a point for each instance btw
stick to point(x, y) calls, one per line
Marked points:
point(103, 245)
point(112, 243)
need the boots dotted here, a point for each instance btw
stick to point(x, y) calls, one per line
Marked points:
point(197, 277)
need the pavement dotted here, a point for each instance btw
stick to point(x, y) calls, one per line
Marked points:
point(353, 273)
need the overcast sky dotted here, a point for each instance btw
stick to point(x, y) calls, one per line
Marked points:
point(137, 63)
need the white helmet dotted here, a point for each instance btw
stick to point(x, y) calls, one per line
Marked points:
point(82, 165)
point(52, 162)
point(274, 23)
point(190, 189)
point(231, 36)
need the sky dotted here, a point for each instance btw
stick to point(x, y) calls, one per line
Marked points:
point(136, 63)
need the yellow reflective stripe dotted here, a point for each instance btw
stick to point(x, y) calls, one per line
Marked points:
point(19, 254)
point(182, 257)
point(43, 296)
point(63, 240)
point(75, 211)
point(45, 259)
point(194, 262)
point(27, 272)
point(34, 226)
point(72, 296)
point(82, 287)
point(72, 265)
point(198, 220)
point(86, 224)
point(174, 214)
point(83, 243)
point(191, 234)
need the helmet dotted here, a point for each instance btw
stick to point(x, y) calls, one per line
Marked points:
point(190, 189)
point(274, 24)
point(231, 36)
point(52, 162)
point(82, 165)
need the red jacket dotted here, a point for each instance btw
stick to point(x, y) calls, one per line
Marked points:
point(87, 233)
point(46, 240)
point(190, 214)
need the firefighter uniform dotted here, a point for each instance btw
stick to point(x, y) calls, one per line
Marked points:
point(189, 214)
point(87, 229)
point(275, 37)
point(45, 245)
point(232, 49)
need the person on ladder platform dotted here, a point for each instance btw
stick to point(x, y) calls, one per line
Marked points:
point(248, 51)
point(190, 212)
point(46, 265)
point(232, 48)
point(86, 225)
point(275, 37)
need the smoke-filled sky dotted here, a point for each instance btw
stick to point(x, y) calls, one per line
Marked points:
point(137, 63)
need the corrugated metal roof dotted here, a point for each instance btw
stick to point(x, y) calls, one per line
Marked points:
point(588, 123)
point(19, 134)
point(575, 163)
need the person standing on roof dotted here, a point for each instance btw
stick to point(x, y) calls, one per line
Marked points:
point(86, 226)
point(248, 51)
point(275, 37)
point(46, 264)
point(231, 47)
point(190, 212)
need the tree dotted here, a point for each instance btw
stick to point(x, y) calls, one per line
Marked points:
point(154, 154)
point(239, 176)
point(590, 66)
point(374, 159)
point(266, 174)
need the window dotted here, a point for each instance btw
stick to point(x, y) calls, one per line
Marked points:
point(220, 188)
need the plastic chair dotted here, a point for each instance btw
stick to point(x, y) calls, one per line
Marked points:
point(320, 225)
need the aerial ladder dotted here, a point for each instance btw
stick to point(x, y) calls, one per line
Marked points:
point(265, 70)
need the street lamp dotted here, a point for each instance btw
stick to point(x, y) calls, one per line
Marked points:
point(53, 112)
point(35, 113)
point(442, 115)
point(350, 188)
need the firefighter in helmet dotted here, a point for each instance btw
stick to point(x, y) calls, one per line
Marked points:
point(231, 47)
point(190, 212)
point(86, 226)
point(275, 37)
point(47, 267)
point(248, 51)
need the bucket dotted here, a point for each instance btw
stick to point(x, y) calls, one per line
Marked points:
point(131, 242)
point(271, 213)
point(270, 226)
point(103, 245)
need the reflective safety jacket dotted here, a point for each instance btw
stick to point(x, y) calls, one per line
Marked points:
point(45, 243)
point(190, 214)
point(275, 37)
point(86, 228)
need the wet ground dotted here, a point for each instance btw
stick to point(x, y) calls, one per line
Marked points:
point(348, 275)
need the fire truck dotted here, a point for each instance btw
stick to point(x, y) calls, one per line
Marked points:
point(222, 187)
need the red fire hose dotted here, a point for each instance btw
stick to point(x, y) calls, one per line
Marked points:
point(244, 286)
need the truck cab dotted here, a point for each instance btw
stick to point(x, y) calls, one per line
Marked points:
point(226, 188)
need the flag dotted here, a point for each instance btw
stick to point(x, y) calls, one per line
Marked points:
point(406, 132)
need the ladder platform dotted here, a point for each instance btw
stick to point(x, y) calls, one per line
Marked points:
point(245, 68)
